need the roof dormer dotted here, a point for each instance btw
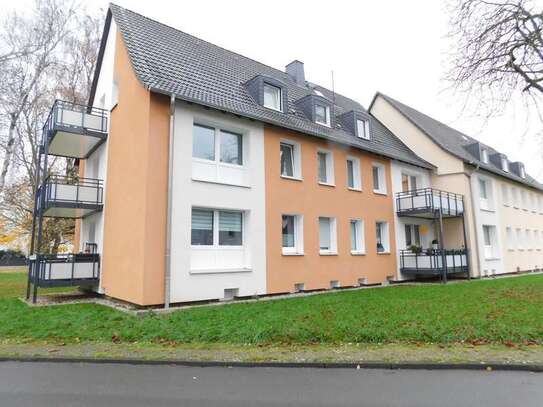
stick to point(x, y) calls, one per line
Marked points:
point(268, 92)
point(480, 152)
point(500, 161)
point(317, 108)
point(518, 168)
point(357, 123)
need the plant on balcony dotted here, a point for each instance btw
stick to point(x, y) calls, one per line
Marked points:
point(415, 249)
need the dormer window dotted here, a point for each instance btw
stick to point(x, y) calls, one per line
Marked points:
point(272, 97)
point(484, 155)
point(363, 129)
point(322, 114)
point(505, 164)
point(522, 171)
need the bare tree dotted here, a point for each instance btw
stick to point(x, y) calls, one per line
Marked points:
point(498, 51)
point(46, 29)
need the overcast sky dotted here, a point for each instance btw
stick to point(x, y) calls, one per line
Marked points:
point(393, 46)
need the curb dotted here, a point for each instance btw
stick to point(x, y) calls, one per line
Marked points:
point(307, 365)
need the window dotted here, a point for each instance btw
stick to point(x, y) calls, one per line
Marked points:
point(381, 235)
point(409, 182)
point(523, 199)
point(516, 197)
point(412, 235)
point(227, 224)
point(489, 236)
point(484, 193)
point(522, 171)
point(322, 114)
point(357, 237)
point(529, 241)
point(206, 140)
point(484, 155)
point(379, 183)
point(292, 233)
point(540, 203)
point(505, 195)
point(353, 174)
point(520, 239)
point(325, 167)
point(290, 160)
point(510, 239)
point(537, 242)
point(272, 97)
point(533, 200)
point(363, 129)
point(505, 164)
point(327, 235)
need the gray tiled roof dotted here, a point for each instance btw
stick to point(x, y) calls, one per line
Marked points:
point(454, 141)
point(170, 61)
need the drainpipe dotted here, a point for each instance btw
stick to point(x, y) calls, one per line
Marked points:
point(168, 261)
point(475, 238)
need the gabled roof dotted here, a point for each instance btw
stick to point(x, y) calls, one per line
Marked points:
point(454, 141)
point(170, 61)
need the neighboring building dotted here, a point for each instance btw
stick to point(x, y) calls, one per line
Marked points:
point(213, 176)
point(503, 204)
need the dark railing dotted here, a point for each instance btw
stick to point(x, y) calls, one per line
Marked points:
point(65, 269)
point(429, 200)
point(432, 261)
point(67, 115)
point(73, 190)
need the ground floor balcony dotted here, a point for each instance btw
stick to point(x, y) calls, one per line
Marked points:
point(434, 262)
point(63, 270)
point(74, 130)
point(69, 197)
point(428, 203)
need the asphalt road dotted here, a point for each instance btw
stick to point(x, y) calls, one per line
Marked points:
point(74, 385)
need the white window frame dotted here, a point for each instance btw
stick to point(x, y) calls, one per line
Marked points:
point(385, 237)
point(357, 178)
point(359, 237)
point(217, 146)
point(484, 155)
point(382, 178)
point(216, 215)
point(412, 227)
point(522, 171)
point(410, 177)
point(523, 199)
point(332, 251)
point(298, 248)
point(296, 157)
point(329, 162)
point(506, 198)
point(326, 112)
point(520, 238)
point(490, 249)
point(505, 164)
point(533, 202)
point(280, 108)
point(365, 124)
point(516, 197)
point(509, 237)
point(485, 201)
point(529, 241)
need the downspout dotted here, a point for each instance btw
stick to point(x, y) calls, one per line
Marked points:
point(168, 261)
point(476, 237)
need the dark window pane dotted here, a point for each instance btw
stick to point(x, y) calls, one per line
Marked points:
point(322, 166)
point(230, 228)
point(231, 148)
point(203, 142)
point(202, 227)
point(288, 231)
point(350, 174)
point(376, 184)
point(287, 160)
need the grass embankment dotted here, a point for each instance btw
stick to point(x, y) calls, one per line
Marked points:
point(499, 311)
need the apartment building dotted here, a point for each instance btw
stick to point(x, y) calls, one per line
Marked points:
point(503, 204)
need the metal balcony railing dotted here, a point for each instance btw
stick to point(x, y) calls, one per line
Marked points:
point(73, 191)
point(65, 269)
point(434, 261)
point(426, 201)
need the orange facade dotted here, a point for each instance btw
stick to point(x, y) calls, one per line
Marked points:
point(312, 200)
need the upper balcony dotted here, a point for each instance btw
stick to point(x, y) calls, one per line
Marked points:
point(427, 202)
point(75, 130)
point(71, 197)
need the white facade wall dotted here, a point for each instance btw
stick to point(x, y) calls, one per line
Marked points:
point(200, 273)
point(426, 226)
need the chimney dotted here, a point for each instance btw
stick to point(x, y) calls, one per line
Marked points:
point(296, 71)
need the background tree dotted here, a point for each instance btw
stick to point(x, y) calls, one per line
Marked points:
point(498, 52)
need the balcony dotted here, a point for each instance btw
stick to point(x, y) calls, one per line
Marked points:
point(431, 262)
point(75, 130)
point(68, 197)
point(62, 270)
point(427, 202)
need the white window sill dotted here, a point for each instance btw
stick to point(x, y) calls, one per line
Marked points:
point(221, 271)
point(525, 210)
point(287, 253)
point(378, 192)
point(385, 252)
point(492, 258)
point(538, 250)
point(219, 183)
point(511, 250)
point(327, 184)
point(323, 124)
point(515, 207)
point(292, 178)
point(273, 108)
point(327, 253)
point(354, 189)
point(488, 210)
point(357, 253)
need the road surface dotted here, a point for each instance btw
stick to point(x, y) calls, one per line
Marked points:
point(112, 385)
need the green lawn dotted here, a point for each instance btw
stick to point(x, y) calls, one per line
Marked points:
point(497, 311)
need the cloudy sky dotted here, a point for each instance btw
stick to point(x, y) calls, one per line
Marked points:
point(396, 47)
